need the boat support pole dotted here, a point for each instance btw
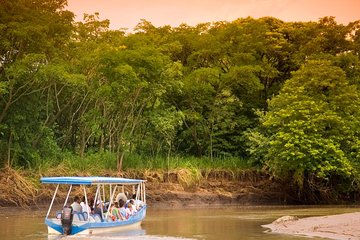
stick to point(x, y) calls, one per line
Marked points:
point(96, 195)
point(138, 193)
point(111, 200)
point(110, 192)
point(87, 205)
point(102, 202)
point(67, 196)
point(144, 192)
point(107, 213)
point(103, 188)
point(52, 201)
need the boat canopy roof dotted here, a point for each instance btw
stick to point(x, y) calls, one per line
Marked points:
point(90, 180)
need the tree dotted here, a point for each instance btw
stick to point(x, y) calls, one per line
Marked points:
point(166, 123)
point(311, 133)
point(32, 35)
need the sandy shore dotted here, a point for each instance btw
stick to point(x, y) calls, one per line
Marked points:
point(341, 227)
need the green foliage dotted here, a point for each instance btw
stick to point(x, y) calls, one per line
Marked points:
point(311, 126)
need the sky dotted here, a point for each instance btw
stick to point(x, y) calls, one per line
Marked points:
point(128, 13)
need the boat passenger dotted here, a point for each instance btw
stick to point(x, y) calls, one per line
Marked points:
point(84, 206)
point(130, 209)
point(138, 203)
point(112, 214)
point(128, 198)
point(133, 206)
point(97, 209)
point(91, 203)
point(118, 210)
point(121, 196)
point(122, 209)
point(76, 204)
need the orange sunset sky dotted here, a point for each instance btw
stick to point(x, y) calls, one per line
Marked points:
point(127, 13)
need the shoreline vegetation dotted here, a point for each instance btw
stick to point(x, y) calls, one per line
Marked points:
point(184, 184)
point(173, 188)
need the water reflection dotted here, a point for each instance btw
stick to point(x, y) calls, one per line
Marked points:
point(138, 233)
point(124, 238)
point(128, 233)
point(174, 224)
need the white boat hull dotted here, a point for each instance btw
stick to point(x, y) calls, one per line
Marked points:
point(90, 231)
point(85, 227)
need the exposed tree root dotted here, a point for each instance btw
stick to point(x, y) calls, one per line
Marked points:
point(16, 189)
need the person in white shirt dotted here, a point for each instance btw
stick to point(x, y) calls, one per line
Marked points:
point(84, 206)
point(76, 204)
point(133, 206)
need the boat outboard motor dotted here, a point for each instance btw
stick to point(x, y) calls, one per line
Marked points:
point(66, 220)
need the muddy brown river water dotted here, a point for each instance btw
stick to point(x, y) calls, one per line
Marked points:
point(213, 223)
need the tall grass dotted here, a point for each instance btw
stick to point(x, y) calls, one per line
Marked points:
point(72, 164)
point(91, 163)
point(180, 162)
point(96, 163)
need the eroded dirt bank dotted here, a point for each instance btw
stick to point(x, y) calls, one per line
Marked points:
point(164, 189)
point(215, 190)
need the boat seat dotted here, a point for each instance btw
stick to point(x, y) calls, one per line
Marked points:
point(81, 216)
point(95, 218)
point(76, 216)
point(85, 214)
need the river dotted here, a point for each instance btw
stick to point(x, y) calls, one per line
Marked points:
point(212, 223)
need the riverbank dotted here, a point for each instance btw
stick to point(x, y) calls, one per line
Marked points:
point(211, 192)
point(340, 227)
point(176, 188)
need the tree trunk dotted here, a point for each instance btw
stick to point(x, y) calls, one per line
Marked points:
point(101, 147)
point(211, 143)
point(120, 160)
point(4, 111)
point(168, 160)
point(8, 160)
point(102, 135)
point(82, 145)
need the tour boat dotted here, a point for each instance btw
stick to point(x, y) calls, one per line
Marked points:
point(108, 190)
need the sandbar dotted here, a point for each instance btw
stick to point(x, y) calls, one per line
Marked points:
point(341, 226)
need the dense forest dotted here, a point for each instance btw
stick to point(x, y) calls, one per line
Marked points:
point(262, 93)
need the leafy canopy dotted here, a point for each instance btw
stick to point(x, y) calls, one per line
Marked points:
point(311, 130)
